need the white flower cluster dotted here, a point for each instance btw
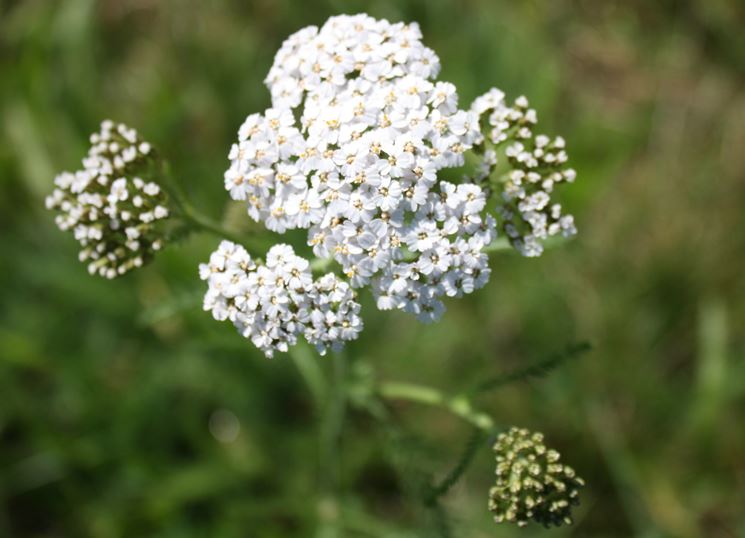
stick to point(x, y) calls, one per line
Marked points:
point(446, 236)
point(538, 165)
point(359, 168)
point(114, 215)
point(350, 151)
point(275, 302)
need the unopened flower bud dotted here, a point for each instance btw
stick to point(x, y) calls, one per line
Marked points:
point(532, 484)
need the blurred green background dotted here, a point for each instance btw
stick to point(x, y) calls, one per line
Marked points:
point(127, 411)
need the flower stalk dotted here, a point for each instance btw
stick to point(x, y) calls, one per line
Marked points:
point(459, 405)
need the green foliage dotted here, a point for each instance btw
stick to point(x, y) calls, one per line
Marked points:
point(539, 369)
point(108, 388)
point(474, 443)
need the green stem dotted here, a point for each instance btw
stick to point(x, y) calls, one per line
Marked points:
point(457, 405)
point(308, 367)
point(203, 223)
point(330, 440)
point(455, 474)
point(191, 216)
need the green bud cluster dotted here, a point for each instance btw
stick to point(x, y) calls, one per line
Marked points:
point(531, 482)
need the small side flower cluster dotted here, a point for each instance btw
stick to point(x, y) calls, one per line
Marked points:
point(114, 214)
point(538, 165)
point(531, 482)
point(273, 303)
point(359, 170)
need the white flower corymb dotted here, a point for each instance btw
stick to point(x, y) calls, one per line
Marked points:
point(275, 302)
point(359, 168)
point(113, 213)
point(351, 150)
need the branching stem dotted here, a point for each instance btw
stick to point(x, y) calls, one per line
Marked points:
point(458, 405)
point(203, 223)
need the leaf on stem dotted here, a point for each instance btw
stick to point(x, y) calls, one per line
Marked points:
point(456, 473)
point(537, 370)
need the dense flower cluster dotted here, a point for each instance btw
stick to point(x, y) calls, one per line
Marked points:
point(275, 302)
point(531, 482)
point(114, 214)
point(351, 149)
point(359, 168)
point(538, 165)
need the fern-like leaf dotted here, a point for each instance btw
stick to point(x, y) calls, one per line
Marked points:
point(537, 370)
point(469, 451)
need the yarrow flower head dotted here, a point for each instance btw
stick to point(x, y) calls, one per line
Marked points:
point(359, 167)
point(532, 484)
point(273, 303)
point(116, 216)
point(351, 150)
